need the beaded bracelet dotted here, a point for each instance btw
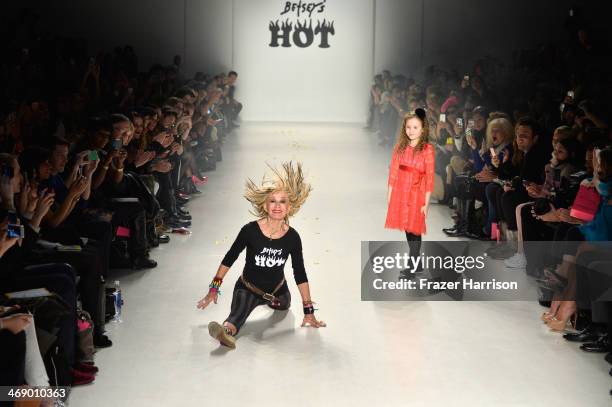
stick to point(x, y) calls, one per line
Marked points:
point(215, 285)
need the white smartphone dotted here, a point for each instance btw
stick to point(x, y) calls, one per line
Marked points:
point(442, 118)
point(570, 93)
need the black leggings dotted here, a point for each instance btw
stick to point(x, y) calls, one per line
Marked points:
point(244, 302)
point(414, 243)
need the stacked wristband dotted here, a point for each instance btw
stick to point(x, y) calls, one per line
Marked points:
point(308, 307)
point(216, 285)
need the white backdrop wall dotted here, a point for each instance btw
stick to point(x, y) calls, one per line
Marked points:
point(304, 84)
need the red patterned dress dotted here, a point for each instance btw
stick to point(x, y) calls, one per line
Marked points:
point(411, 175)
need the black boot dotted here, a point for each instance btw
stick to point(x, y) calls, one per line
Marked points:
point(472, 231)
point(461, 227)
point(449, 193)
point(138, 242)
point(458, 219)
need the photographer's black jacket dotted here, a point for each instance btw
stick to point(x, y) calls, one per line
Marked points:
point(531, 167)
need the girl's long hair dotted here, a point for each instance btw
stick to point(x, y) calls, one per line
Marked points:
point(402, 139)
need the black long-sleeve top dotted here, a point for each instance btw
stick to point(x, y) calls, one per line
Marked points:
point(531, 167)
point(265, 258)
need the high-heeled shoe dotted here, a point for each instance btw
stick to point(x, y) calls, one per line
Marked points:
point(547, 316)
point(552, 311)
point(560, 324)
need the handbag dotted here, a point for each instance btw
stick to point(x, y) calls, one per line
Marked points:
point(85, 344)
point(586, 204)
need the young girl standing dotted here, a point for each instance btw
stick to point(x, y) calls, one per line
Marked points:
point(411, 179)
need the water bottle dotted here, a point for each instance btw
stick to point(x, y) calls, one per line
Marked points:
point(118, 302)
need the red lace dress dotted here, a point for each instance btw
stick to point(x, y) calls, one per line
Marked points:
point(411, 175)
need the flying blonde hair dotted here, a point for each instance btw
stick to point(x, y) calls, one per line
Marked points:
point(289, 180)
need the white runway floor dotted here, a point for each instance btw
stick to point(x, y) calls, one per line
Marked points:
point(371, 354)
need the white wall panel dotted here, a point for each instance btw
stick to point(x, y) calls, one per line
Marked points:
point(304, 84)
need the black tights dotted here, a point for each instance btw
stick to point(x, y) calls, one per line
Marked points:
point(244, 301)
point(414, 243)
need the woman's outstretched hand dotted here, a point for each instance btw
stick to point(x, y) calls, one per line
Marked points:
point(310, 320)
point(210, 297)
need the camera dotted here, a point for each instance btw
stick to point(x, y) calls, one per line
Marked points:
point(13, 229)
point(17, 231)
point(116, 144)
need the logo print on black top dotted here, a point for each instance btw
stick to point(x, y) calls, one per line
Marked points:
point(271, 260)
